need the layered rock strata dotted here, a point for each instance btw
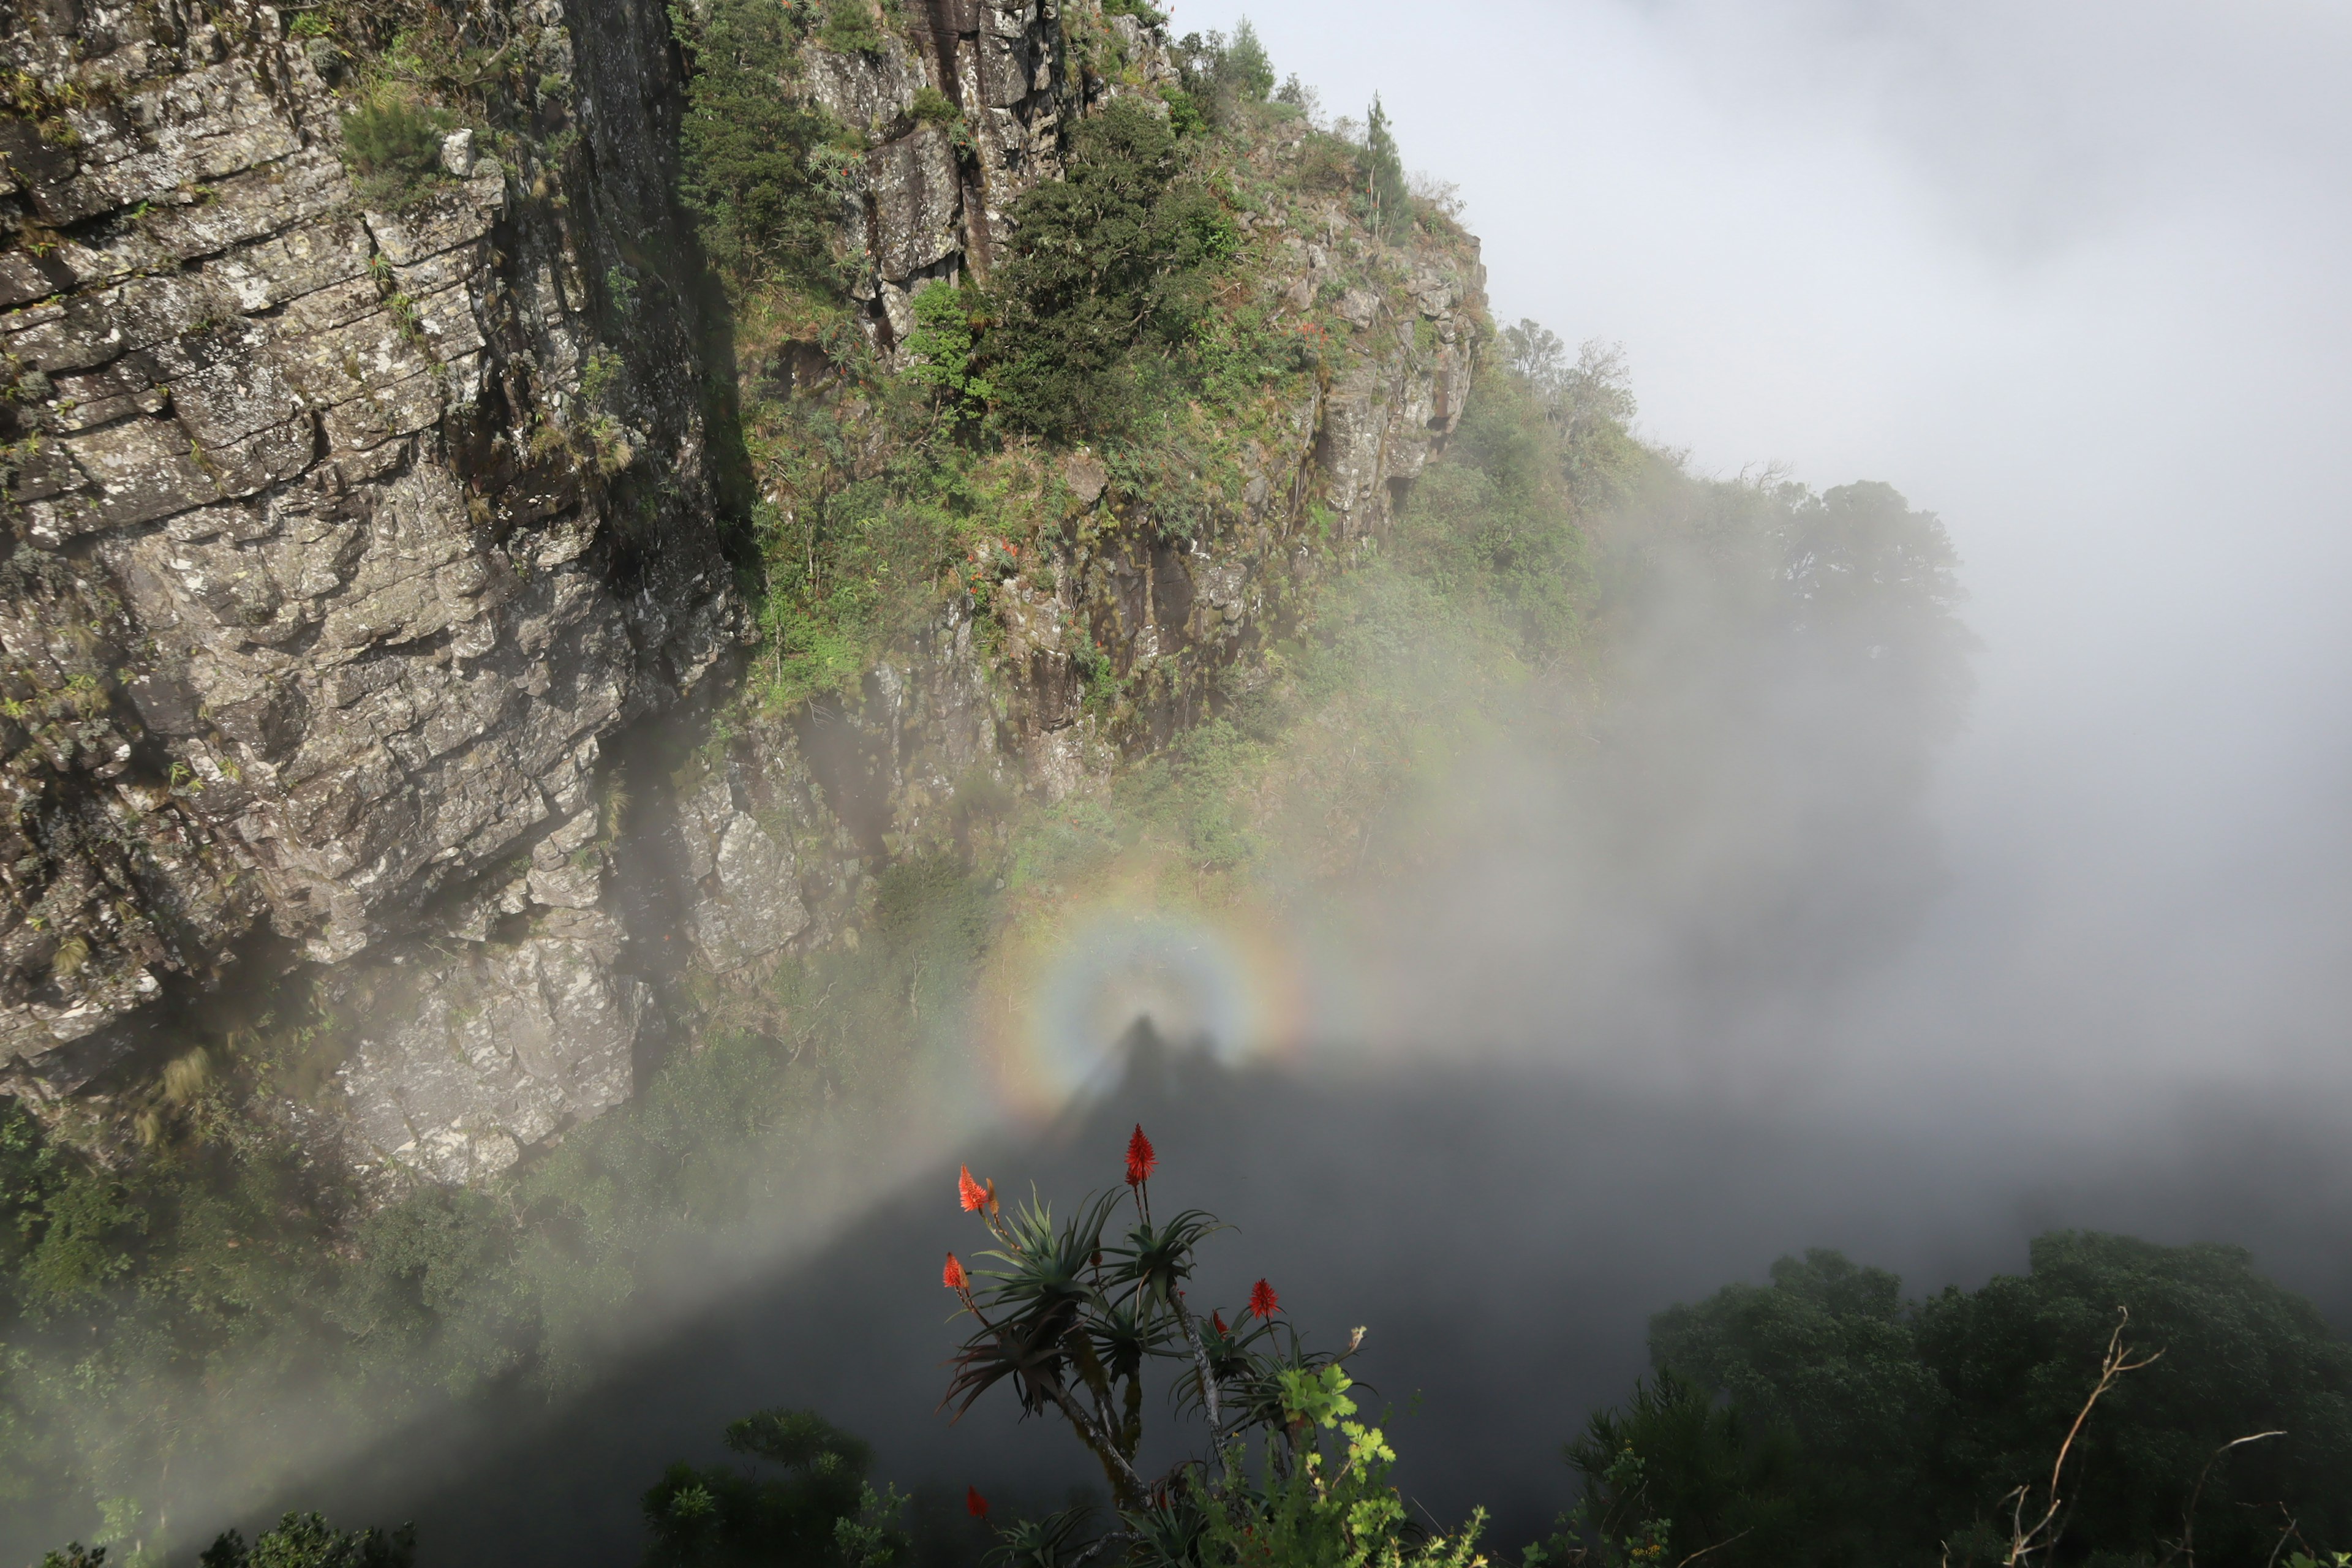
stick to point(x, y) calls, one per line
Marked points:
point(348, 539)
point(1166, 607)
point(345, 535)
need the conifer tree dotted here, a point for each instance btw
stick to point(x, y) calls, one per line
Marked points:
point(1391, 207)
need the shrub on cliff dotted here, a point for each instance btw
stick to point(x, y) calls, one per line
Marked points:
point(1117, 256)
point(760, 167)
point(1220, 74)
point(1387, 196)
point(850, 28)
point(393, 145)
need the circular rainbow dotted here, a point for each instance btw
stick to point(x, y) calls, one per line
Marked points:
point(1077, 972)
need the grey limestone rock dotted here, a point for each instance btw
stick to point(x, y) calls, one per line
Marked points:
point(915, 198)
point(315, 617)
point(499, 1052)
point(322, 615)
point(1085, 474)
point(750, 904)
point(867, 93)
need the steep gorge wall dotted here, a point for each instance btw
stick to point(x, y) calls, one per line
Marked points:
point(327, 581)
point(1177, 598)
point(349, 542)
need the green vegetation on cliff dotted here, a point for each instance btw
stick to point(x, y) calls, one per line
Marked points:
point(1136, 306)
point(762, 168)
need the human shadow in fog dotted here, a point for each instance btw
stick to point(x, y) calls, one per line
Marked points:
point(1504, 1235)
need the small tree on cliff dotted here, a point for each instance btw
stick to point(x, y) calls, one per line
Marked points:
point(1385, 190)
point(1073, 1313)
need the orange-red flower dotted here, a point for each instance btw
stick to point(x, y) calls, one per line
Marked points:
point(1140, 1161)
point(974, 1504)
point(970, 1194)
point(953, 1276)
point(1264, 1302)
point(1219, 1320)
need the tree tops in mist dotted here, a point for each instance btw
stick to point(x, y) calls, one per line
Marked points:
point(1822, 1418)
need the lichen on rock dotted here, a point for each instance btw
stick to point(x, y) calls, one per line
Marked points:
point(319, 491)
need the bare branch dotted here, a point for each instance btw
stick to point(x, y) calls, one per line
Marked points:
point(1718, 1546)
point(2024, 1542)
point(2188, 1551)
point(2289, 1533)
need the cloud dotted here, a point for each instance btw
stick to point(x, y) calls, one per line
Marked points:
point(2067, 276)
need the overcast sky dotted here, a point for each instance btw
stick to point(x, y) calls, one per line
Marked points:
point(2072, 276)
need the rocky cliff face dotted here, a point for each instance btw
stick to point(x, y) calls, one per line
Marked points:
point(1140, 588)
point(348, 539)
point(333, 568)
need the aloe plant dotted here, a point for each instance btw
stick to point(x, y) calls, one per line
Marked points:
point(1073, 1313)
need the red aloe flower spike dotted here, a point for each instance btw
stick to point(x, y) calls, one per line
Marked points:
point(1140, 1161)
point(974, 1504)
point(970, 1194)
point(1264, 1302)
point(1219, 1320)
point(953, 1276)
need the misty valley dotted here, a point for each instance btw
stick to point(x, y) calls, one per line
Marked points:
point(860, 784)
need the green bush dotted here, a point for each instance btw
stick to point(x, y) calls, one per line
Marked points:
point(307, 1541)
point(941, 346)
point(1221, 75)
point(1244, 66)
point(1185, 116)
point(1118, 255)
point(819, 1513)
point(393, 145)
point(849, 28)
point(933, 106)
point(761, 170)
point(1673, 1470)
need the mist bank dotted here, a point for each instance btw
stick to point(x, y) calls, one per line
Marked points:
point(2065, 275)
point(1505, 1235)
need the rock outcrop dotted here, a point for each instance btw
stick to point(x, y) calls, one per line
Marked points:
point(1161, 601)
point(345, 534)
point(491, 1053)
point(353, 527)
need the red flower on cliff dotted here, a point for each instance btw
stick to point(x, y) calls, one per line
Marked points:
point(1140, 1161)
point(953, 1276)
point(974, 1504)
point(970, 1194)
point(1264, 1302)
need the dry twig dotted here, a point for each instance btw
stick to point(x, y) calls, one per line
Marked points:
point(2186, 1550)
point(2024, 1542)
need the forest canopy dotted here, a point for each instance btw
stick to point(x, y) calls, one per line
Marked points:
point(1823, 1419)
